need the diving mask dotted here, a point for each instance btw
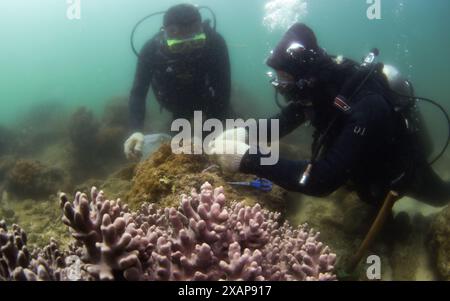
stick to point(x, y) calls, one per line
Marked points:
point(291, 89)
point(185, 45)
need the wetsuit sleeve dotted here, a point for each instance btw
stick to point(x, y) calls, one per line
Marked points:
point(220, 76)
point(139, 91)
point(335, 167)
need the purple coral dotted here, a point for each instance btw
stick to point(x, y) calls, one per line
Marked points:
point(201, 240)
point(18, 263)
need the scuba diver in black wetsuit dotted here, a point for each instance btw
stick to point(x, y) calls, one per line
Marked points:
point(367, 135)
point(187, 65)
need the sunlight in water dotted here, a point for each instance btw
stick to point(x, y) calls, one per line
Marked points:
point(281, 14)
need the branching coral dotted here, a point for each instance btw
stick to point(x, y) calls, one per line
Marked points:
point(17, 263)
point(201, 240)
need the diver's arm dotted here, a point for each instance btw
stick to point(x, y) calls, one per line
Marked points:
point(290, 118)
point(328, 173)
point(139, 91)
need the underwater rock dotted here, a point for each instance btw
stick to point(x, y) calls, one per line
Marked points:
point(408, 257)
point(83, 129)
point(7, 213)
point(6, 140)
point(108, 147)
point(41, 219)
point(201, 240)
point(97, 147)
point(6, 164)
point(114, 129)
point(42, 125)
point(344, 221)
point(439, 242)
point(31, 179)
point(117, 184)
point(164, 175)
point(115, 113)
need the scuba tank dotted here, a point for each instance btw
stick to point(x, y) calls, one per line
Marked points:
point(405, 103)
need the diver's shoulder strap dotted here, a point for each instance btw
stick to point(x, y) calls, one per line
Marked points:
point(352, 87)
point(341, 103)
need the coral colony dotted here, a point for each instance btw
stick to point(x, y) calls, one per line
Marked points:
point(202, 239)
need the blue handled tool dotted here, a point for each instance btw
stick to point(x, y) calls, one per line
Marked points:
point(260, 184)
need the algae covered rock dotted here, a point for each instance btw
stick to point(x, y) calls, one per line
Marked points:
point(6, 164)
point(164, 175)
point(83, 129)
point(96, 146)
point(115, 113)
point(32, 179)
point(440, 242)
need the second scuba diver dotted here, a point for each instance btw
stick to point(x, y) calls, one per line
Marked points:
point(366, 134)
point(187, 65)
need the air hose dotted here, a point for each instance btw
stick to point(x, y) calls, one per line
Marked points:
point(444, 112)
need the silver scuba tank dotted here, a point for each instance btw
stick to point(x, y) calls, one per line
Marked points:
point(406, 104)
point(398, 83)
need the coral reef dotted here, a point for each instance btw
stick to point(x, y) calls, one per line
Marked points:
point(164, 175)
point(439, 243)
point(31, 179)
point(202, 240)
point(18, 263)
point(342, 218)
point(40, 219)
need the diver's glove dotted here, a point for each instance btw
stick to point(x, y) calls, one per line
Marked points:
point(229, 148)
point(228, 154)
point(234, 134)
point(133, 146)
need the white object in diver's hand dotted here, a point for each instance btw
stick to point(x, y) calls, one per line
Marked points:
point(229, 154)
point(152, 143)
point(234, 134)
point(133, 146)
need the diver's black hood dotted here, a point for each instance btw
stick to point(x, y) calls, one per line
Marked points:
point(182, 14)
point(281, 60)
